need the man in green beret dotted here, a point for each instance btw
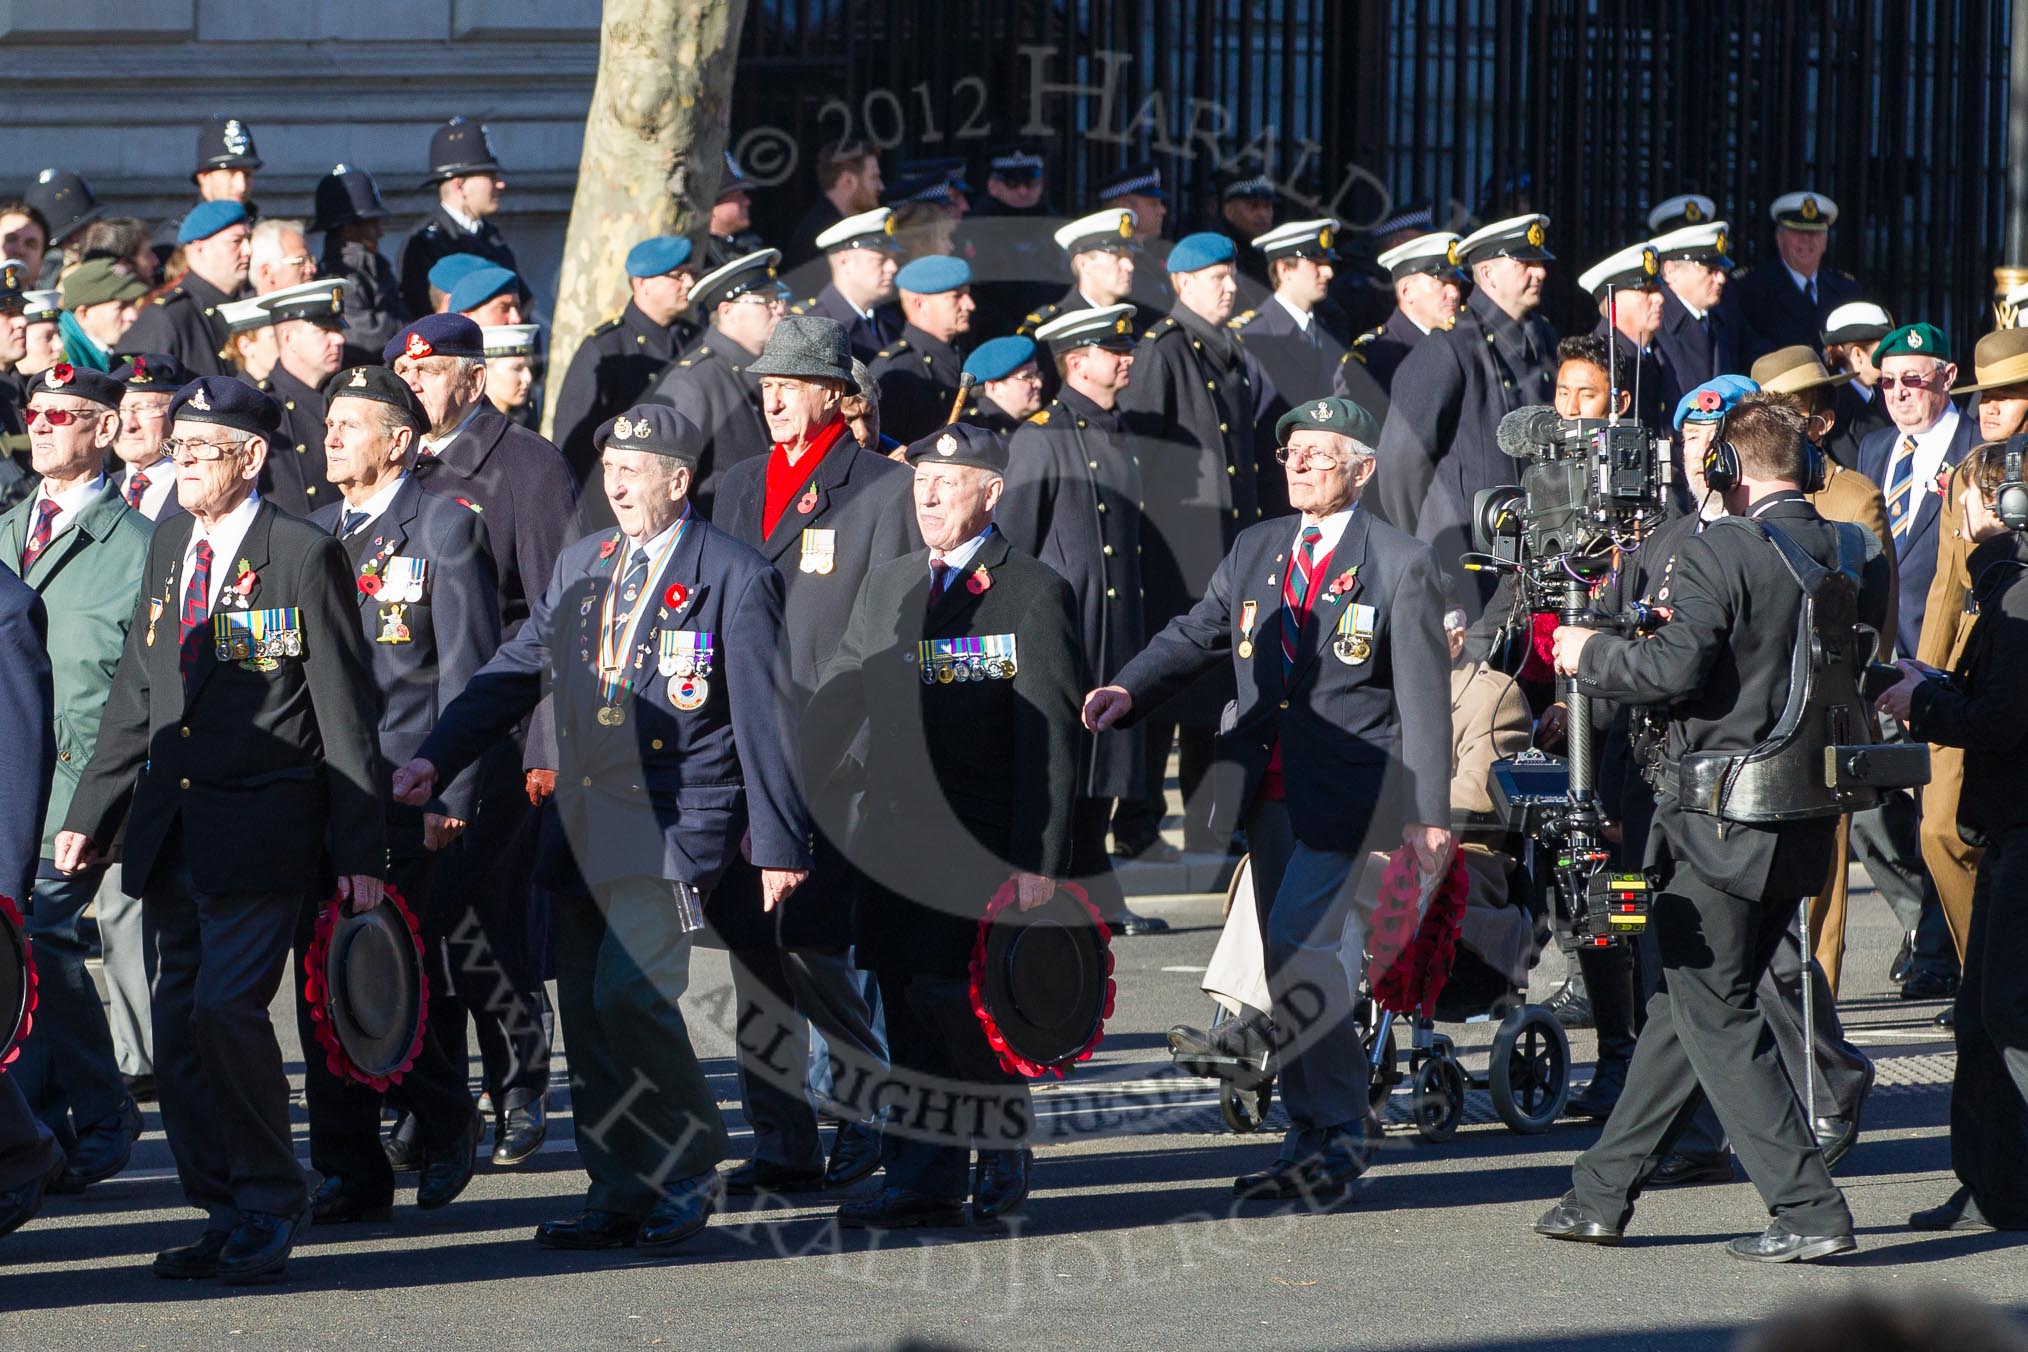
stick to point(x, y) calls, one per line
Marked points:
point(1333, 627)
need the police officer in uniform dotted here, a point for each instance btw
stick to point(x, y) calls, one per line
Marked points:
point(1073, 500)
point(310, 345)
point(661, 636)
point(1452, 390)
point(727, 235)
point(349, 213)
point(465, 173)
point(1332, 626)
point(622, 357)
point(969, 783)
point(1786, 299)
point(234, 584)
point(919, 373)
point(1006, 386)
point(1193, 406)
point(863, 257)
point(1726, 890)
point(825, 513)
point(426, 609)
point(226, 164)
point(711, 386)
point(184, 321)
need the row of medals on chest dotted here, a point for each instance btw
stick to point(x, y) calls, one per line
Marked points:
point(684, 660)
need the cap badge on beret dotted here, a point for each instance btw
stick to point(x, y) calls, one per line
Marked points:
point(1708, 401)
point(947, 444)
point(198, 401)
point(358, 378)
point(623, 428)
point(1915, 339)
point(1810, 209)
point(1322, 412)
point(419, 346)
point(59, 375)
point(142, 375)
point(1535, 234)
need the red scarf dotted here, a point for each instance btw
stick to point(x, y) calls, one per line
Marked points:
point(784, 479)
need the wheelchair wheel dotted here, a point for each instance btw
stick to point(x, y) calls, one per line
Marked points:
point(1439, 1098)
point(1244, 1109)
point(1386, 1074)
point(1529, 1074)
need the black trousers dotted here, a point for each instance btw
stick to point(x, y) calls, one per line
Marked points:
point(1707, 1037)
point(1609, 984)
point(344, 1114)
point(781, 992)
point(1140, 819)
point(216, 962)
point(67, 1070)
point(27, 1149)
point(1989, 1096)
point(1091, 864)
point(957, 1095)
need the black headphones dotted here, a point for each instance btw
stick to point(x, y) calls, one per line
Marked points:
point(1722, 469)
point(2010, 501)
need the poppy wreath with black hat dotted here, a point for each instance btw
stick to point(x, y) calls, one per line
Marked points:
point(318, 992)
point(1016, 1037)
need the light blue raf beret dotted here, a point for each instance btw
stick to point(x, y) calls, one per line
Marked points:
point(934, 274)
point(658, 257)
point(1200, 250)
point(998, 358)
point(208, 219)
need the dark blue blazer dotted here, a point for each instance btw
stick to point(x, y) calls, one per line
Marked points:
point(1915, 550)
point(1693, 355)
point(451, 633)
point(28, 750)
point(1365, 747)
point(667, 793)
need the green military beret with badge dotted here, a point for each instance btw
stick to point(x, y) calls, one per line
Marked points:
point(1329, 415)
point(1913, 340)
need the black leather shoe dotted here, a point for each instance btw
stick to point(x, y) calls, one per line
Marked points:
point(19, 1205)
point(1329, 1181)
point(1929, 986)
point(1959, 1212)
point(681, 1213)
point(102, 1150)
point(767, 1176)
point(1129, 924)
point(404, 1145)
point(336, 1202)
point(901, 1209)
point(190, 1261)
point(141, 1088)
point(445, 1172)
point(855, 1154)
point(1947, 1017)
point(1776, 1245)
point(1597, 1099)
point(1689, 1171)
point(1153, 850)
point(1283, 1178)
point(590, 1229)
point(1903, 965)
point(521, 1128)
point(258, 1250)
point(1838, 1133)
point(1002, 1184)
point(1568, 1220)
point(1571, 1005)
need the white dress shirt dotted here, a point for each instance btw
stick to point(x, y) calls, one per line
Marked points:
point(1333, 528)
point(374, 506)
point(1302, 317)
point(161, 486)
point(225, 537)
point(1930, 449)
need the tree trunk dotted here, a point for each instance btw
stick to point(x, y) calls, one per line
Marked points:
point(654, 150)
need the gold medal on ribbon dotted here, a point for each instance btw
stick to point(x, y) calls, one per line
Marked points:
point(1248, 612)
point(611, 715)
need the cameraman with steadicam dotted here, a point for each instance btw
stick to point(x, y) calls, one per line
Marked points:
point(1983, 707)
point(1725, 889)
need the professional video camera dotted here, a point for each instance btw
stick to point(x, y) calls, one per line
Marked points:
point(1590, 491)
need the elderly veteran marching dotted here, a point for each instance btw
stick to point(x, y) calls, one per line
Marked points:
point(242, 711)
point(82, 550)
point(424, 582)
point(1333, 627)
point(951, 700)
point(660, 638)
point(825, 513)
point(1073, 500)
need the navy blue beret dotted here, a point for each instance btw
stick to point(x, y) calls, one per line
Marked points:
point(447, 335)
point(998, 358)
point(78, 381)
point(655, 428)
point(658, 257)
point(934, 274)
point(152, 372)
point(228, 402)
point(480, 285)
point(961, 444)
point(382, 386)
point(208, 219)
point(1200, 250)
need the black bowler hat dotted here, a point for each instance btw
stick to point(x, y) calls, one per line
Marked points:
point(346, 196)
point(961, 444)
point(367, 991)
point(459, 148)
point(382, 386)
point(1042, 981)
point(225, 143)
point(65, 201)
point(17, 980)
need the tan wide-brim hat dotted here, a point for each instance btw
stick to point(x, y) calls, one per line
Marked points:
point(2001, 358)
point(1790, 370)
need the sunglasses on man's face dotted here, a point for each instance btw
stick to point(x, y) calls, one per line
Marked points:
point(1928, 382)
point(59, 417)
